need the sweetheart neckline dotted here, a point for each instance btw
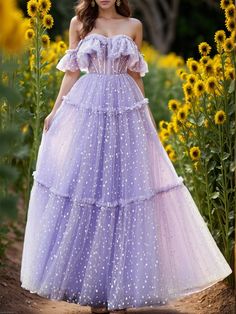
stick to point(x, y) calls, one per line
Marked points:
point(110, 37)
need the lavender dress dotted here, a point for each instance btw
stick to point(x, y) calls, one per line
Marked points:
point(109, 220)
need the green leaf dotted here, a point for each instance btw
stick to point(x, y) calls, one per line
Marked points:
point(215, 195)
point(190, 119)
point(215, 150)
point(225, 156)
point(231, 87)
point(201, 120)
point(44, 64)
point(232, 166)
point(212, 166)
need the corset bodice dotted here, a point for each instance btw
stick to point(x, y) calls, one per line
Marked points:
point(100, 54)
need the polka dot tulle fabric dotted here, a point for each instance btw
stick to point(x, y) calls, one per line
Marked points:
point(109, 220)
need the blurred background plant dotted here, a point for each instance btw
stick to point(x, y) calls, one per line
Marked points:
point(199, 137)
point(191, 91)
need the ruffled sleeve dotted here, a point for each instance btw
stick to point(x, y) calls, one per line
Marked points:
point(69, 61)
point(137, 63)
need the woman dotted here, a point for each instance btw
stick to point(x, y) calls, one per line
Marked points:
point(110, 223)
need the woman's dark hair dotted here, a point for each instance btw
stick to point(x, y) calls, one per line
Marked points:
point(88, 14)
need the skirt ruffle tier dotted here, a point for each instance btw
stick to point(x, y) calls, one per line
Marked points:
point(109, 220)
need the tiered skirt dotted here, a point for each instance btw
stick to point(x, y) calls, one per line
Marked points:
point(109, 220)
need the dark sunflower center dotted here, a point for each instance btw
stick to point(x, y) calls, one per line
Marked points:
point(221, 117)
point(33, 8)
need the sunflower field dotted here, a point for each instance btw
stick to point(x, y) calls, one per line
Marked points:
point(199, 136)
point(193, 103)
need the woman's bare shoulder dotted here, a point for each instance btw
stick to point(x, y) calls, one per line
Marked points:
point(137, 28)
point(75, 23)
point(74, 31)
point(135, 22)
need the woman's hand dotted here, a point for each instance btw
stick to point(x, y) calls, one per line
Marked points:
point(48, 120)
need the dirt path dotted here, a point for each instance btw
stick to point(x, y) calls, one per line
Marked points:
point(14, 299)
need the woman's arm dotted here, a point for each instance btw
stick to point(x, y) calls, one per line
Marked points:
point(70, 77)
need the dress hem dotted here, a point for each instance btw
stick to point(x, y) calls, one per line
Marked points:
point(169, 300)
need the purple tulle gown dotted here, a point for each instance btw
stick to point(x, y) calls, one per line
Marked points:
point(109, 220)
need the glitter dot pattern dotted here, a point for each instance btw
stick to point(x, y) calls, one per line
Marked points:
point(109, 220)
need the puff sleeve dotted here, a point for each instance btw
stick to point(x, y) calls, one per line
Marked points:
point(137, 63)
point(69, 61)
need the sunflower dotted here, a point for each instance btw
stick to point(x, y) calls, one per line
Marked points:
point(44, 6)
point(174, 105)
point(44, 55)
point(211, 85)
point(230, 74)
point(230, 24)
point(183, 76)
point(48, 21)
point(193, 66)
point(218, 68)
point(179, 62)
point(29, 34)
point(32, 8)
point(45, 39)
point(191, 78)
point(173, 156)
point(233, 37)
point(230, 12)
point(61, 45)
point(204, 48)
point(168, 148)
point(220, 117)
point(196, 165)
point(204, 60)
point(220, 36)
point(163, 124)
point(195, 153)
point(199, 88)
point(181, 138)
point(170, 127)
point(224, 4)
point(179, 72)
point(32, 62)
point(188, 107)
point(165, 134)
point(206, 123)
point(32, 22)
point(177, 124)
point(188, 89)
point(182, 115)
point(228, 45)
point(209, 67)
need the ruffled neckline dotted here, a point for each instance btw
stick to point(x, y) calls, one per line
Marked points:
point(113, 37)
point(116, 46)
